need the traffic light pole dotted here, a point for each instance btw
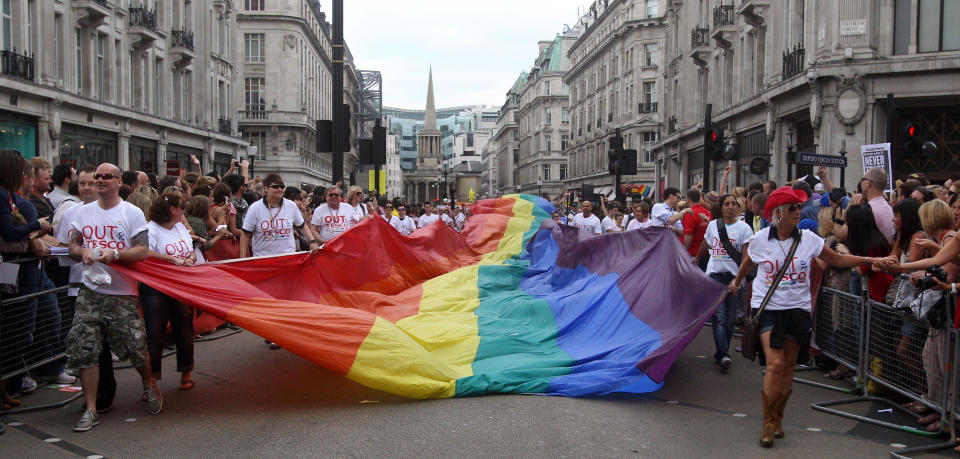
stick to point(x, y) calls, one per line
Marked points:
point(336, 99)
point(707, 128)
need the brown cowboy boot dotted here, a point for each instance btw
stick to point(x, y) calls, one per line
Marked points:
point(766, 438)
point(781, 403)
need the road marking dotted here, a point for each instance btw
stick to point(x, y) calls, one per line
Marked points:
point(739, 415)
point(49, 439)
point(814, 429)
point(672, 402)
point(131, 419)
point(898, 445)
point(15, 424)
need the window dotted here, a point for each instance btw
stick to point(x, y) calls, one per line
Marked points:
point(57, 39)
point(547, 117)
point(157, 86)
point(563, 171)
point(547, 142)
point(901, 26)
point(516, 157)
point(652, 8)
point(187, 101)
point(6, 26)
point(648, 139)
point(934, 33)
point(254, 5)
point(99, 69)
point(563, 142)
point(28, 48)
point(650, 54)
point(546, 173)
point(253, 48)
point(649, 92)
point(116, 81)
point(253, 95)
point(259, 140)
point(79, 58)
point(547, 87)
point(564, 115)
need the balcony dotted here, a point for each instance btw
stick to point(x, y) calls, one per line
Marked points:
point(91, 13)
point(754, 11)
point(16, 65)
point(699, 45)
point(793, 61)
point(181, 47)
point(143, 27)
point(648, 107)
point(276, 117)
point(724, 25)
point(671, 125)
point(226, 126)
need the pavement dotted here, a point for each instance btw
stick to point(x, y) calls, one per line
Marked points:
point(250, 401)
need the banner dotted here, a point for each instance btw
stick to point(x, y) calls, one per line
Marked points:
point(513, 304)
point(878, 156)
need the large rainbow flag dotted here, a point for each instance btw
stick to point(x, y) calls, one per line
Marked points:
point(513, 304)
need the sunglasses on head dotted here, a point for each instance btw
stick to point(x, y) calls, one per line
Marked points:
point(276, 186)
point(104, 176)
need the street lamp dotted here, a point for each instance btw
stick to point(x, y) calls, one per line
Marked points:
point(444, 171)
point(791, 156)
point(539, 187)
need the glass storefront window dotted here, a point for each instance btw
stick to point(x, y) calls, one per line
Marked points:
point(143, 155)
point(80, 146)
point(182, 156)
point(20, 137)
point(221, 162)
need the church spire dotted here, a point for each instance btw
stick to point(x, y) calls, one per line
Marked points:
point(430, 117)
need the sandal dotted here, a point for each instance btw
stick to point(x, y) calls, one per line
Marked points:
point(839, 373)
point(186, 385)
point(917, 407)
point(929, 419)
point(934, 426)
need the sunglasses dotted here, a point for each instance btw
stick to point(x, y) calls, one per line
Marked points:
point(401, 208)
point(794, 207)
point(388, 207)
point(276, 187)
point(104, 176)
point(838, 221)
point(333, 195)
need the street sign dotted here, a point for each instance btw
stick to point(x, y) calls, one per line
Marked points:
point(812, 159)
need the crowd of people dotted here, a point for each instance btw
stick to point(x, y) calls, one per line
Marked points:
point(772, 246)
point(63, 227)
point(892, 241)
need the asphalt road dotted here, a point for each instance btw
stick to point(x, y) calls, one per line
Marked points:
point(253, 402)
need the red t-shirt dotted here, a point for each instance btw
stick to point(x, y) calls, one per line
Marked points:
point(695, 226)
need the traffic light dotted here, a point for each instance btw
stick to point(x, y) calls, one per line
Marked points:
point(910, 139)
point(628, 165)
point(615, 155)
point(379, 144)
point(714, 146)
point(324, 136)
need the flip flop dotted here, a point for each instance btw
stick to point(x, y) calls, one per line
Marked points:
point(186, 385)
point(917, 407)
point(934, 426)
point(929, 419)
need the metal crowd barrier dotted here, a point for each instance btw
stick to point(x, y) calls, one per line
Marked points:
point(838, 334)
point(39, 323)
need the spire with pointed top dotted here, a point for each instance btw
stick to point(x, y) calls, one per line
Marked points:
point(430, 117)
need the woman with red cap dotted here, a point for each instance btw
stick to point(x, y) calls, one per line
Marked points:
point(784, 322)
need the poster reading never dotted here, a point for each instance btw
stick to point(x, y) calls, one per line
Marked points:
point(878, 156)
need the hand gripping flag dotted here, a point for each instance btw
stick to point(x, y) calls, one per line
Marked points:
point(513, 304)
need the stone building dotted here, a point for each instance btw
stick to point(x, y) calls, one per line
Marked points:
point(285, 86)
point(543, 120)
point(507, 139)
point(614, 81)
point(143, 84)
point(811, 77)
point(488, 173)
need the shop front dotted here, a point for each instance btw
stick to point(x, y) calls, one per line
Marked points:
point(18, 132)
point(80, 146)
point(752, 158)
point(178, 157)
point(143, 155)
point(221, 162)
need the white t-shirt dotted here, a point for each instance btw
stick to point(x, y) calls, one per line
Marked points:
point(769, 254)
point(591, 223)
point(446, 220)
point(405, 226)
point(332, 222)
point(175, 242)
point(272, 229)
point(608, 224)
point(427, 219)
point(637, 224)
point(106, 230)
point(360, 210)
point(720, 262)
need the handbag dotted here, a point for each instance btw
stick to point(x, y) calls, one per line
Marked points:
point(750, 341)
point(734, 254)
point(929, 306)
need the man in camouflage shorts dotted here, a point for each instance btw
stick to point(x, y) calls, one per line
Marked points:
point(102, 232)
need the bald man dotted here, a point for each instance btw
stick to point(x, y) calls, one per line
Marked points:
point(107, 231)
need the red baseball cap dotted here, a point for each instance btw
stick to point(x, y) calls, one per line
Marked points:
point(781, 196)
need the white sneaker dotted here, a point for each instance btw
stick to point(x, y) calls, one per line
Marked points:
point(63, 378)
point(28, 385)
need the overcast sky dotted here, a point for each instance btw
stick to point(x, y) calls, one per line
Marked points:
point(477, 48)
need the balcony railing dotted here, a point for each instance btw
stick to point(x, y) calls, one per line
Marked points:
point(16, 65)
point(699, 37)
point(672, 125)
point(255, 114)
point(648, 107)
point(226, 126)
point(724, 15)
point(793, 61)
point(142, 17)
point(181, 39)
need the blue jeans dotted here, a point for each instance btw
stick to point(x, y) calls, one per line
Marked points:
point(48, 331)
point(724, 318)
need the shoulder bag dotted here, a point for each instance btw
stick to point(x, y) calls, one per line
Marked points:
point(751, 332)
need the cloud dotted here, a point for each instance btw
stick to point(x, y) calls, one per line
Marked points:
point(477, 49)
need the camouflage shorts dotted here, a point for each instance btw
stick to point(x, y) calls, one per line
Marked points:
point(118, 317)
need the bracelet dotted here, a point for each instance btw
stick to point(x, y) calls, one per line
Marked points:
point(313, 242)
point(953, 287)
point(737, 285)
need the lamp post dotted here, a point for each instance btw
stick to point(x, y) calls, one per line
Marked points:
point(539, 187)
point(444, 171)
point(791, 156)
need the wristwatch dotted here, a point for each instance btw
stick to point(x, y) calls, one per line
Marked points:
point(116, 254)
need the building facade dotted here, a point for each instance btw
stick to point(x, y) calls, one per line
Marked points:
point(488, 173)
point(614, 82)
point(543, 121)
point(285, 82)
point(141, 84)
point(810, 77)
point(507, 139)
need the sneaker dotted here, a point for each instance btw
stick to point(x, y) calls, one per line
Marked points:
point(725, 363)
point(154, 398)
point(274, 346)
point(114, 357)
point(62, 378)
point(28, 385)
point(87, 421)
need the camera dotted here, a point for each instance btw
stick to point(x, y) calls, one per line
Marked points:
point(933, 272)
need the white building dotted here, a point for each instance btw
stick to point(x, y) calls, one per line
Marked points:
point(507, 139)
point(488, 175)
point(142, 84)
point(394, 171)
